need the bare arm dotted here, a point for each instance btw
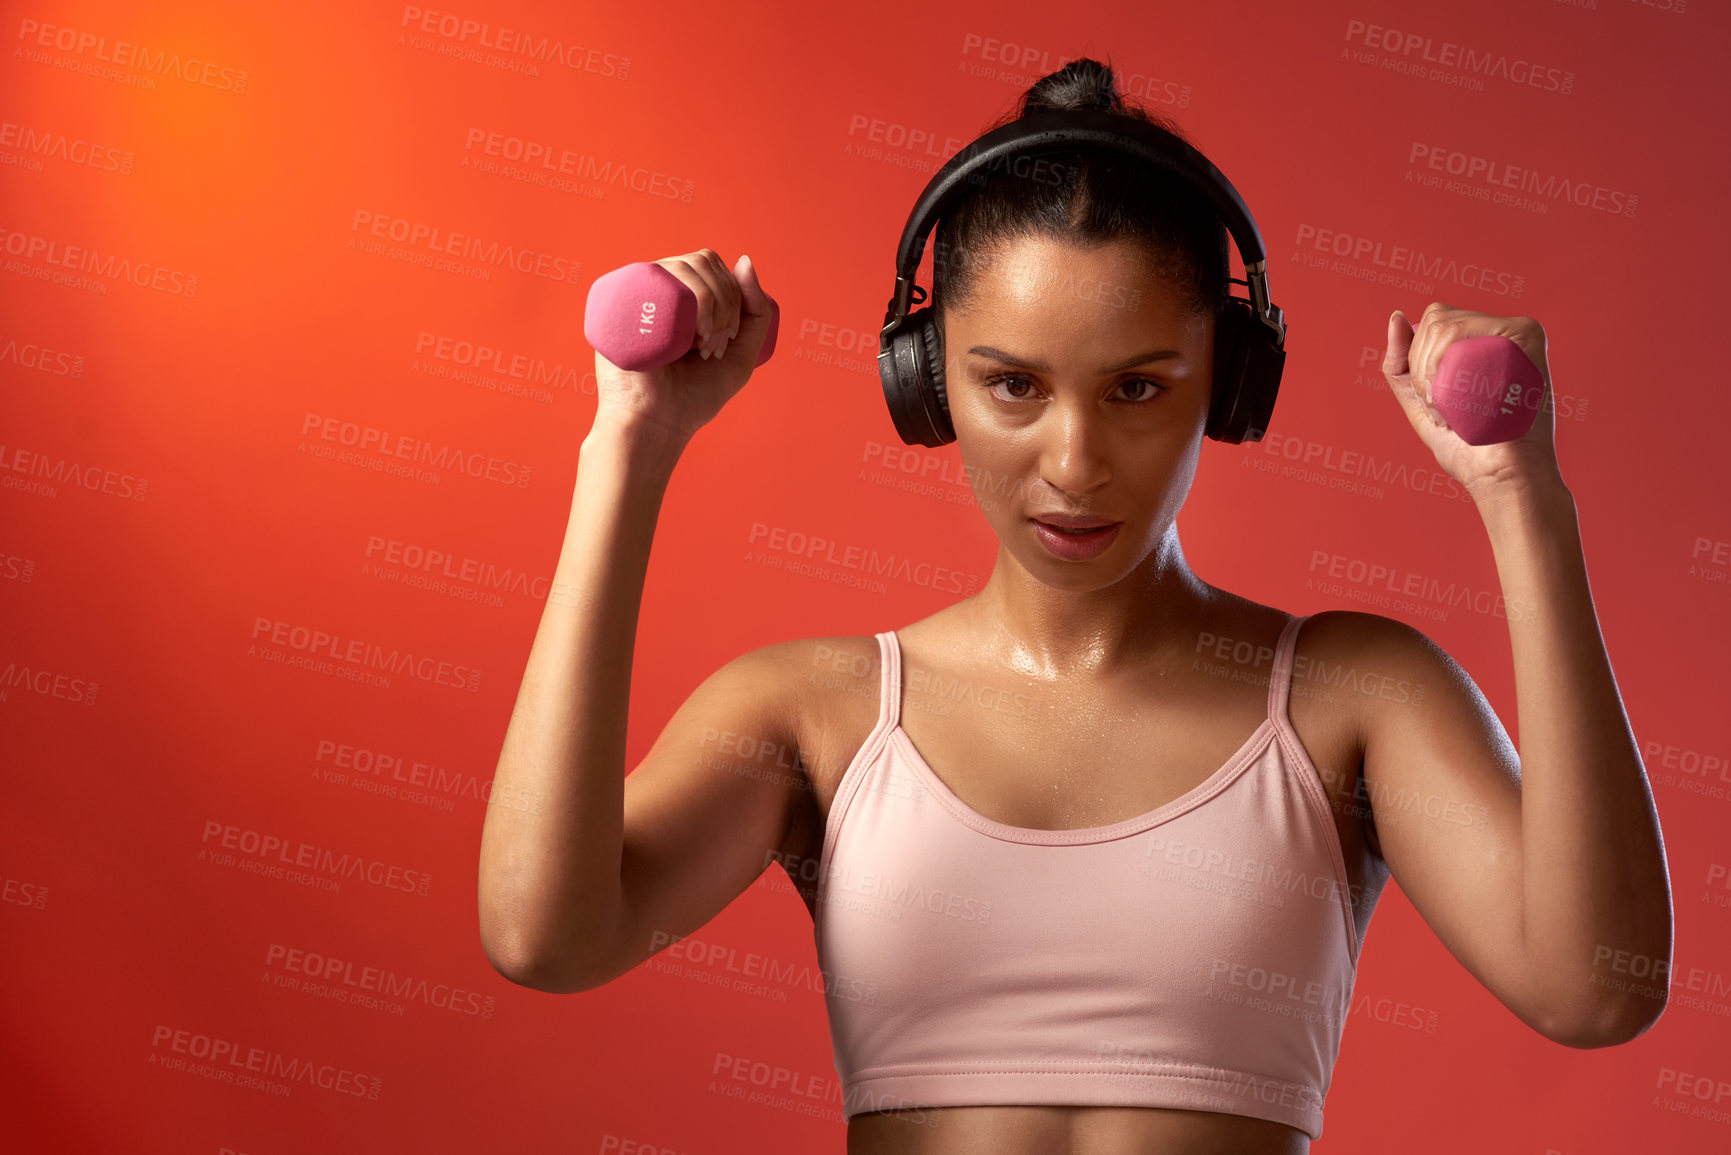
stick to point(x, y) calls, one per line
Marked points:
point(552, 886)
point(1593, 886)
point(549, 874)
point(1545, 872)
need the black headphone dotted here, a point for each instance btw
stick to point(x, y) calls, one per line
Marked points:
point(1249, 336)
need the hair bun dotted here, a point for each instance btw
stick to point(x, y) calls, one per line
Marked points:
point(1102, 195)
point(1082, 83)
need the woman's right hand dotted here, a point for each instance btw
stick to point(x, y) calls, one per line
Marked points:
point(679, 398)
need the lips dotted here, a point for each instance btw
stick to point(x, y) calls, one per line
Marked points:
point(1070, 522)
point(1077, 545)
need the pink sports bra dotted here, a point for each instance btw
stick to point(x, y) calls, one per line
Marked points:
point(1199, 956)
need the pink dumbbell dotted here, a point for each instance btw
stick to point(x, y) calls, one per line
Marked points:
point(641, 317)
point(1487, 389)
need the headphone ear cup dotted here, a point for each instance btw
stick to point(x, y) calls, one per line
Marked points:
point(932, 341)
point(912, 372)
point(1228, 371)
point(1247, 367)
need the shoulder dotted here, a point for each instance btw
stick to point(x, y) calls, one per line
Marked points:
point(806, 681)
point(1332, 638)
point(808, 661)
point(787, 689)
point(1340, 634)
point(1375, 663)
point(828, 698)
point(806, 655)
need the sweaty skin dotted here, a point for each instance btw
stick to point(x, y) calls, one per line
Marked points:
point(1559, 866)
point(1070, 427)
point(1049, 421)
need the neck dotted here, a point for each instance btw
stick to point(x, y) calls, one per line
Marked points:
point(1048, 632)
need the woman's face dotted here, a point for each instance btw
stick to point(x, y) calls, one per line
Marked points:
point(1078, 384)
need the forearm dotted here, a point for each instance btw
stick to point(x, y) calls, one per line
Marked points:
point(549, 873)
point(1594, 882)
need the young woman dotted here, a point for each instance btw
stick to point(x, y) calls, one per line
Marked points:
point(1101, 840)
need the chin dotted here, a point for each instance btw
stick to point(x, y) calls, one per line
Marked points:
point(1097, 573)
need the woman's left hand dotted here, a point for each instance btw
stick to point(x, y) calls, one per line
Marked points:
point(1409, 364)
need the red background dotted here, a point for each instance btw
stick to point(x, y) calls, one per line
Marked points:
point(141, 718)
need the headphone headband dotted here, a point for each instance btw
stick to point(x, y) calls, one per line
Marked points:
point(1064, 130)
point(1249, 336)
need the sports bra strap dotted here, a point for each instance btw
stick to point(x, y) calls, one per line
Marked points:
point(1280, 678)
point(890, 703)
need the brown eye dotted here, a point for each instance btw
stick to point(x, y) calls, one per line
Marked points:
point(1144, 388)
point(1008, 380)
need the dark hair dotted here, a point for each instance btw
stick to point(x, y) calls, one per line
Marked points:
point(1087, 197)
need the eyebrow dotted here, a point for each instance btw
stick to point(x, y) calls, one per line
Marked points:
point(1040, 366)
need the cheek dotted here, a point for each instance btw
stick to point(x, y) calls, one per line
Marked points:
point(998, 477)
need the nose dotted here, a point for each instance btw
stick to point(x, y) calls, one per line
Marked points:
point(1073, 448)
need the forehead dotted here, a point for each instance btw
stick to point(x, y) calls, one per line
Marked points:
point(1061, 295)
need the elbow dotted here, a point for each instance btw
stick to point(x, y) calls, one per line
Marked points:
point(519, 961)
point(533, 949)
point(1610, 1025)
point(527, 969)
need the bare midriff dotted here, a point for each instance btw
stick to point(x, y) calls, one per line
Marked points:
point(1042, 1130)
